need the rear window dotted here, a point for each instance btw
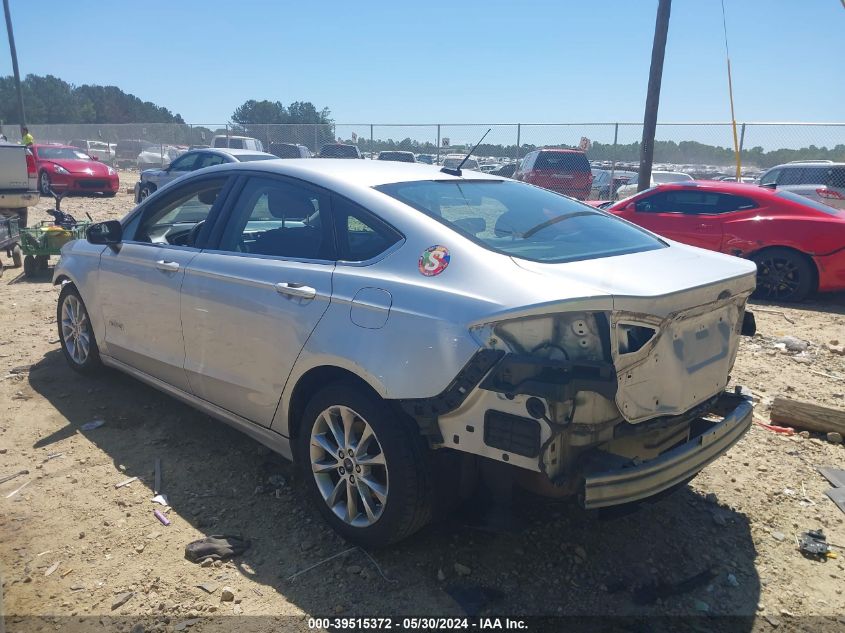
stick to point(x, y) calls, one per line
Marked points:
point(523, 221)
point(562, 161)
point(670, 177)
point(809, 202)
point(245, 158)
point(338, 151)
point(284, 150)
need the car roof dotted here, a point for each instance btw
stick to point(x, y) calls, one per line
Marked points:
point(561, 150)
point(358, 174)
point(231, 151)
point(738, 188)
point(809, 163)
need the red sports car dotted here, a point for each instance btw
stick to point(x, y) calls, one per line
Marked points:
point(797, 243)
point(63, 168)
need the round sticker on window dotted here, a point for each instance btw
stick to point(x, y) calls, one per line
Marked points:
point(434, 260)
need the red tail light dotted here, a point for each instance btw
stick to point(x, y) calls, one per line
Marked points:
point(830, 194)
point(31, 169)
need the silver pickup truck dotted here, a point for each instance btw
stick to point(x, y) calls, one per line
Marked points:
point(18, 181)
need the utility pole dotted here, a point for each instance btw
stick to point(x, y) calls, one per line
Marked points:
point(14, 52)
point(652, 100)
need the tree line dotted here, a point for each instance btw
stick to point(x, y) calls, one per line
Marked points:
point(49, 99)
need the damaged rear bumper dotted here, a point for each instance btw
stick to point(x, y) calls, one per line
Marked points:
point(634, 482)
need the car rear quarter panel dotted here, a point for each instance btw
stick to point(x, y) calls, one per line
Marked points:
point(811, 235)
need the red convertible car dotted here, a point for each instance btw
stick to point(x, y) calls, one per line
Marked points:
point(797, 243)
point(63, 168)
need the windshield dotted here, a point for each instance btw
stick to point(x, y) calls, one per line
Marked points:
point(523, 221)
point(62, 153)
point(661, 178)
point(809, 202)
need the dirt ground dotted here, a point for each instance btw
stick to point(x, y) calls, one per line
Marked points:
point(72, 545)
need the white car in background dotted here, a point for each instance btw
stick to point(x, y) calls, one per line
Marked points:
point(392, 326)
point(158, 156)
point(103, 152)
point(657, 178)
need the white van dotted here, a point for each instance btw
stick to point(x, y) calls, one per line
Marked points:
point(237, 142)
point(453, 160)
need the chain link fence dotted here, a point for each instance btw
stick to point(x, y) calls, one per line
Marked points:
point(703, 150)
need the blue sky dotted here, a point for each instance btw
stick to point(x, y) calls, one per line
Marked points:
point(437, 61)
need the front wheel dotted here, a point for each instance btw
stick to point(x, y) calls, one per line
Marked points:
point(109, 194)
point(783, 275)
point(17, 255)
point(365, 466)
point(44, 184)
point(76, 333)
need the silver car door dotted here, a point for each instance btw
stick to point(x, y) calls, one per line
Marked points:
point(141, 278)
point(250, 304)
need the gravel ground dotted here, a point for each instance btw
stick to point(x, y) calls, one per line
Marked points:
point(730, 534)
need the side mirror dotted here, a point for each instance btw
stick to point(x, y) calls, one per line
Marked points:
point(94, 158)
point(770, 185)
point(110, 232)
point(631, 206)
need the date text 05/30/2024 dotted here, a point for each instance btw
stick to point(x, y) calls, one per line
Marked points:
point(409, 624)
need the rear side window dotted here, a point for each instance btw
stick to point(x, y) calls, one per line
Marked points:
point(279, 219)
point(562, 161)
point(836, 178)
point(814, 175)
point(360, 235)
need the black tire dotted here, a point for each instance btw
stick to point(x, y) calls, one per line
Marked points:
point(42, 262)
point(29, 266)
point(17, 256)
point(408, 504)
point(91, 363)
point(109, 194)
point(44, 184)
point(144, 192)
point(783, 275)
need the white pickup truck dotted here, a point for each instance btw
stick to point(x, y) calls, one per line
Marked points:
point(18, 181)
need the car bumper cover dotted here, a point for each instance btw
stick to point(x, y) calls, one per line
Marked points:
point(622, 485)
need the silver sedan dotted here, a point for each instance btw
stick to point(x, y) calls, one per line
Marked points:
point(393, 326)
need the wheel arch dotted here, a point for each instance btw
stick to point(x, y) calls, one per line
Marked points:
point(309, 383)
point(805, 256)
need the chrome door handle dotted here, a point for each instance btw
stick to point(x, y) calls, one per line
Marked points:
point(296, 290)
point(168, 267)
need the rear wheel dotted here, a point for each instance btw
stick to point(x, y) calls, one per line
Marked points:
point(29, 266)
point(365, 466)
point(76, 333)
point(783, 275)
point(17, 255)
point(109, 194)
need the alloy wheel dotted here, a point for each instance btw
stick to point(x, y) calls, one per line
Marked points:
point(777, 277)
point(349, 467)
point(76, 329)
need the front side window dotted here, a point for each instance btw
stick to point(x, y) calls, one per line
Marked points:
point(523, 221)
point(770, 177)
point(207, 160)
point(174, 218)
point(280, 219)
point(184, 163)
point(790, 176)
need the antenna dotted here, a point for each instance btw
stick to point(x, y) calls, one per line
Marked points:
point(457, 170)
